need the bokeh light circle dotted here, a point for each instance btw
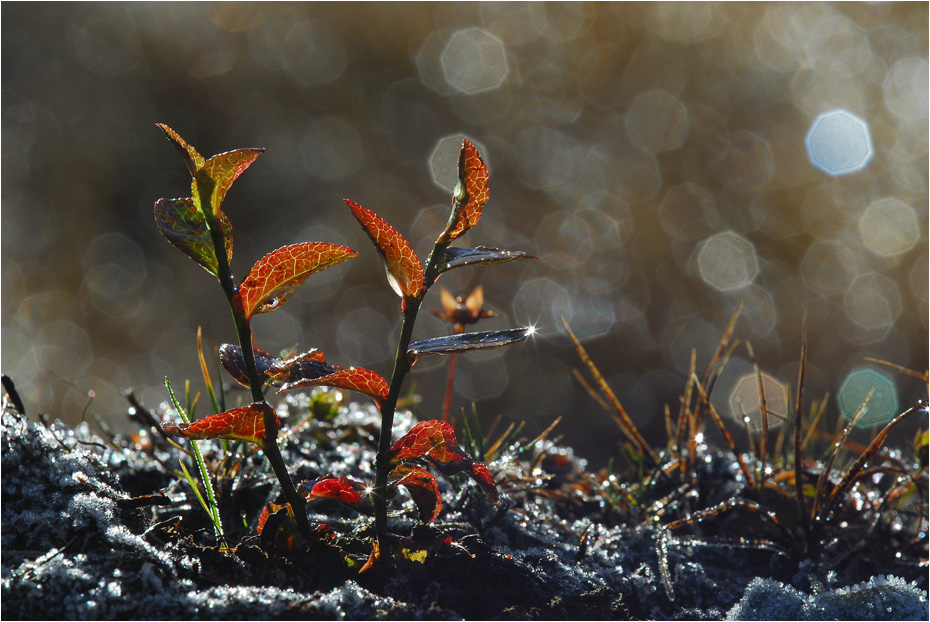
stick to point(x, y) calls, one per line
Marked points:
point(839, 143)
point(882, 406)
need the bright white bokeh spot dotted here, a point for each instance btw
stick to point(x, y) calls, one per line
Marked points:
point(839, 143)
point(474, 61)
point(727, 261)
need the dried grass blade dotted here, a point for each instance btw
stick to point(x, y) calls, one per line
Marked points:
point(799, 402)
point(750, 482)
point(724, 340)
point(904, 370)
point(835, 451)
point(853, 472)
point(621, 417)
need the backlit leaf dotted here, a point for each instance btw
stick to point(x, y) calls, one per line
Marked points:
point(450, 344)
point(431, 439)
point(184, 226)
point(193, 159)
point(343, 489)
point(423, 489)
point(457, 257)
point(403, 268)
point(471, 191)
point(304, 370)
point(239, 424)
point(358, 379)
point(434, 441)
point(277, 275)
point(217, 174)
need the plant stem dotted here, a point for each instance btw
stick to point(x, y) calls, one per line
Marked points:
point(402, 365)
point(244, 333)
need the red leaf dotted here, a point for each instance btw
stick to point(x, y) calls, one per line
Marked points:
point(239, 424)
point(423, 489)
point(193, 159)
point(431, 439)
point(471, 192)
point(348, 491)
point(404, 271)
point(184, 226)
point(354, 378)
point(435, 442)
point(277, 275)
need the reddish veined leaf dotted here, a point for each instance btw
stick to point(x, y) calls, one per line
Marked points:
point(277, 275)
point(304, 370)
point(239, 424)
point(435, 442)
point(428, 439)
point(218, 173)
point(343, 489)
point(423, 489)
point(184, 226)
point(358, 379)
point(193, 159)
point(471, 191)
point(403, 268)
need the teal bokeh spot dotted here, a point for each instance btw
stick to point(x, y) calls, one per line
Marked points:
point(882, 406)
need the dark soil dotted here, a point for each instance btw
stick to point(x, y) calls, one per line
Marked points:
point(83, 538)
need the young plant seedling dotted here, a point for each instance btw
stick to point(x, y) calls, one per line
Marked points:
point(199, 228)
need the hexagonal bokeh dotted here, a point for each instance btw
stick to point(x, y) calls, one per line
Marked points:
point(443, 162)
point(905, 89)
point(331, 149)
point(828, 267)
point(881, 407)
point(687, 212)
point(744, 401)
point(889, 227)
point(873, 301)
point(727, 261)
point(839, 143)
point(657, 121)
point(474, 61)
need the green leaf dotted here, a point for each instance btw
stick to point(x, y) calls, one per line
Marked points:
point(277, 275)
point(457, 257)
point(462, 342)
point(217, 174)
point(193, 159)
point(211, 179)
point(184, 226)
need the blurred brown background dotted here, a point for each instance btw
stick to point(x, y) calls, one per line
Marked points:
point(665, 161)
